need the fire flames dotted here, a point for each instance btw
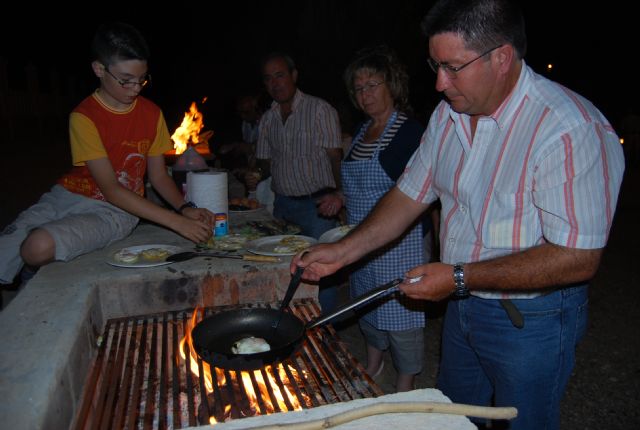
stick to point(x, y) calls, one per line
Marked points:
point(246, 376)
point(189, 130)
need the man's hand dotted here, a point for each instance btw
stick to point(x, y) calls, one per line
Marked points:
point(436, 283)
point(330, 204)
point(251, 179)
point(318, 261)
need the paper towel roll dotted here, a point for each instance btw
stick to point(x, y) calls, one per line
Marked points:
point(208, 190)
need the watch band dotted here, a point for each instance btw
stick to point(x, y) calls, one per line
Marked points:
point(461, 290)
point(188, 204)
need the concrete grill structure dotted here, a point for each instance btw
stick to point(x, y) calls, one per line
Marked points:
point(51, 331)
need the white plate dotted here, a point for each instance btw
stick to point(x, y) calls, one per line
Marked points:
point(335, 234)
point(137, 249)
point(267, 245)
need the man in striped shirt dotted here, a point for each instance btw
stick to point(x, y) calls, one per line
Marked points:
point(528, 174)
point(300, 145)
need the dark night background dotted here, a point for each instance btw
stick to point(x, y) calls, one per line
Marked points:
point(210, 50)
point(202, 51)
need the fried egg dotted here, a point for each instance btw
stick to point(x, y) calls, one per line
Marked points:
point(154, 254)
point(250, 345)
point(125, 256)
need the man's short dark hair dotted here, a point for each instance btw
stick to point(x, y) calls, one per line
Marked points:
point(482, 24)
point(291, 65)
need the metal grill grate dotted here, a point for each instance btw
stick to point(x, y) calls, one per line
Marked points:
point(140, 381)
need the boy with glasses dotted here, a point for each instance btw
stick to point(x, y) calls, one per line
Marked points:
point(116, 137)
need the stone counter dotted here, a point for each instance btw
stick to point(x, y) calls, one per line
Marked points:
point(49, 330)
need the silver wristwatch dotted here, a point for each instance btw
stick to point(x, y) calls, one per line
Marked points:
point(461, 291)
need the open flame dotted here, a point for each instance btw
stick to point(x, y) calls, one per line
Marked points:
point(189, 130)
point(246, 378)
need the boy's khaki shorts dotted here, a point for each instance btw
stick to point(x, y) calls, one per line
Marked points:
point(78, 225)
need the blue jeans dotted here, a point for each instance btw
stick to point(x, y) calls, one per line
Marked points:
point(304, 213)
point(485, 357)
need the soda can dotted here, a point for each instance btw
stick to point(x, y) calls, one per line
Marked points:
point(221, 228)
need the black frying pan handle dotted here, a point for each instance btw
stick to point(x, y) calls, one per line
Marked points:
point(293, 286)
point(291, 289)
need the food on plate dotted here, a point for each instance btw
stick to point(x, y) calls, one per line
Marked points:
point(345, 228)
point(335, 234)
point(125, 256)
point(290, 244)
point(250, 345)
point(243, 204)
point(154, 254)
point(229, 242)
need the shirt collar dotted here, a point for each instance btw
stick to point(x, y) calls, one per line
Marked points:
point(509, 105)
point(297, 97)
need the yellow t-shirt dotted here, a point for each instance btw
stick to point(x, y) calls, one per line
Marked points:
point(126, 138)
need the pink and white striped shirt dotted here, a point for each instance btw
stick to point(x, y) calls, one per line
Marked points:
point(545, 167)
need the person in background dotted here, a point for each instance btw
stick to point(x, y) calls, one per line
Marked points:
point(299, 146)
point(239, 157)
point(250, 109)
point(116, 137)
point(378, 85)
point(528, 173)
point(250, 114)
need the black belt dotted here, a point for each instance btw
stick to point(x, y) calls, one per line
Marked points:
point(513, 313)
point(313, 196)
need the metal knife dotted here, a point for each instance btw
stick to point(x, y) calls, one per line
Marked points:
point(183, 256)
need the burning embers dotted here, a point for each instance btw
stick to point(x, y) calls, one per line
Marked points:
point(142, 379)
point(260, 392)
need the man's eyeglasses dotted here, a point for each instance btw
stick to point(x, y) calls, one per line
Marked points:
point(369, 86)
point(452, 72)
point(130, 84)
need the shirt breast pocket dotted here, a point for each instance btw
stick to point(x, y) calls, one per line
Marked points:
point(511, 221)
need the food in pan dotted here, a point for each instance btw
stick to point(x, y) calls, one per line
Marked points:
point(154, 254)
point(250, 345)
point(125, 256)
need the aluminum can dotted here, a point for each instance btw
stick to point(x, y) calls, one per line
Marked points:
point(221, 228)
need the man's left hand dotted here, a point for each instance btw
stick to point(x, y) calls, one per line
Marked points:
point(436, 283)
point(330, 204)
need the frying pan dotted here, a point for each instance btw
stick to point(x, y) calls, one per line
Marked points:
point(214, 336)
